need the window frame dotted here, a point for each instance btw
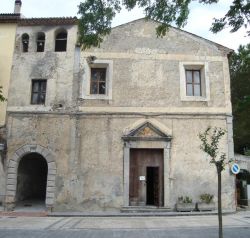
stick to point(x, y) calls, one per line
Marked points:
point(204, 80)
point(39, 40)
point(40, 92)
point(193, 83)
point(59, 39)
point(86, 83)
point(25, 37)
point(98, 81)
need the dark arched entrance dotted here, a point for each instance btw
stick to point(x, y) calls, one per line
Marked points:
point(32, 179)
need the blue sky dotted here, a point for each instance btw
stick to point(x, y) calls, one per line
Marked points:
point(199, 21)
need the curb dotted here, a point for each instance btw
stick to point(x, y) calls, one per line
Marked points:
point(135, 214)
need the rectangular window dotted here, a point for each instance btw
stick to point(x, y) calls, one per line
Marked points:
point(193, 82)
point(38, 92)
point(98, 81)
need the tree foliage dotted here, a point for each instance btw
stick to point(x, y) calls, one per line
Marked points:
point(237, 16)
point(97, 15)
point(2, 98)
point(210, 139)
point(240, 92)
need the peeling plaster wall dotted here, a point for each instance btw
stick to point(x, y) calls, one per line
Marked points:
point(146, 69)
point(56, 67)
point(90, 161)
point(86, 135)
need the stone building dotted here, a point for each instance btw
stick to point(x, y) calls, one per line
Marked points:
point(8, 23)
point(115, 126)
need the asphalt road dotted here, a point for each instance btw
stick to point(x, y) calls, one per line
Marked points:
point(235, 226)
point(243, 232)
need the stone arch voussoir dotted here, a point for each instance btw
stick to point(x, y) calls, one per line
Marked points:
point(12, 170)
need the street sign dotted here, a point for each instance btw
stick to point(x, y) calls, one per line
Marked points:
point(235, 168)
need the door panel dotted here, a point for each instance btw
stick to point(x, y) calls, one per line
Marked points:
point(140, 159)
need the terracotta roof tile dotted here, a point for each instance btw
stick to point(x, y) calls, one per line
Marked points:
point(48, 21)
point(9, 17)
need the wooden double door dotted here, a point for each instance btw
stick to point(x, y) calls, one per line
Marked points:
point(146, 177)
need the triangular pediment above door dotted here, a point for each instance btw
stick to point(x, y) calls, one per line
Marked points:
point(147, 130)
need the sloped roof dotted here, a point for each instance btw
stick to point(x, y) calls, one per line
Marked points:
point(13, 18)
point(9, 17)
point(219, 46)
point(16, 18)
point(48, 21)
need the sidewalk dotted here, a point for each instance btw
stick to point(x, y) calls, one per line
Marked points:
point(38, 212)
point(241, 219)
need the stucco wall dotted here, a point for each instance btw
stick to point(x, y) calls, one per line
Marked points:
point(85, 134)
point(56, 67)
point(89, 157)
point(146, 69)
point(7, 40)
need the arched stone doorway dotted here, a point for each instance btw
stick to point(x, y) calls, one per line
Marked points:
point(31, 180)
point(26, 152)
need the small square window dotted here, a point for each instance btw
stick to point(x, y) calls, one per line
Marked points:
point(38, 91)
point(98, 81)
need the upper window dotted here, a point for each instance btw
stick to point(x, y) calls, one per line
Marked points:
point(61, 41)
point(38, 92)
point(193, 82)
point(40, 42)
point(98, 81)
point(25, 42)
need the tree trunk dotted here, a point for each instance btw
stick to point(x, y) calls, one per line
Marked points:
point(219, 169)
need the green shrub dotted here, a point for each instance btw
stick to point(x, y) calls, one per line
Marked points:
point(206, 197)
point(185, 199)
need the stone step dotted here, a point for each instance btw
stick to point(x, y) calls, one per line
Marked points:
point(147, 209)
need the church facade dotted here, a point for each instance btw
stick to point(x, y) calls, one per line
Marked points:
point(116, 126)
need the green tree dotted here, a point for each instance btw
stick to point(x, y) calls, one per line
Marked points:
point(210, 140)
point(240, 92)
point(2, 98)
point(97, 15)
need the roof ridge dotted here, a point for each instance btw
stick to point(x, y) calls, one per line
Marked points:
point(33, 18)
point(219, 46)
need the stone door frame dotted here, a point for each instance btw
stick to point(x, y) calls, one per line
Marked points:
point(165, 145)
point(12, 170)
point(158, 136)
